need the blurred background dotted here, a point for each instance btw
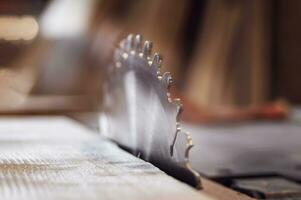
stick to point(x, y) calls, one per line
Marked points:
point(231, 59)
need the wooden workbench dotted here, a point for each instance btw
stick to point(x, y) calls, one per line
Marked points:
point(57, 158)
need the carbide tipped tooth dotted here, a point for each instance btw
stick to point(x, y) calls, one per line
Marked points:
point(147, 49)
point(189, 145)
point(129, 44)
point(138, 43)
point(166, 79)
point(178, 106)
point(177, 103)
point(122, 44)
point(182, 143)
point(156, 63)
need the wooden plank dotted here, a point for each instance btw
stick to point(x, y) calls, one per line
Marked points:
point(56, 158)
point(218, 192)
point(269, 187)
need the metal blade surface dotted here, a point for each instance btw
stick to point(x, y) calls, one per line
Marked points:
point(140, 115)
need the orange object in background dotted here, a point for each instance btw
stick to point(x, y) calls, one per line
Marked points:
point(192, 113)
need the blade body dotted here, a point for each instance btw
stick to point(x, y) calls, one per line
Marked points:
point(142, 118)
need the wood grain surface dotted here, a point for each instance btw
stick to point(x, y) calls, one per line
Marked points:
point(215, 191)
point(57, 158)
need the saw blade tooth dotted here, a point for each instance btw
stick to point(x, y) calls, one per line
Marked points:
point(180, 147)
point(156, 62)
point(177, 103)
point(138, 43)
point(122, 44)
point(166, 80)
point(178, 108)
point(189, 146)
point(180, 150)
point(118, 64)
point(129, 44)
point(147, 49)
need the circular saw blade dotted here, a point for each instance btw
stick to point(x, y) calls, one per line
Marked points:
point(140, 114)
